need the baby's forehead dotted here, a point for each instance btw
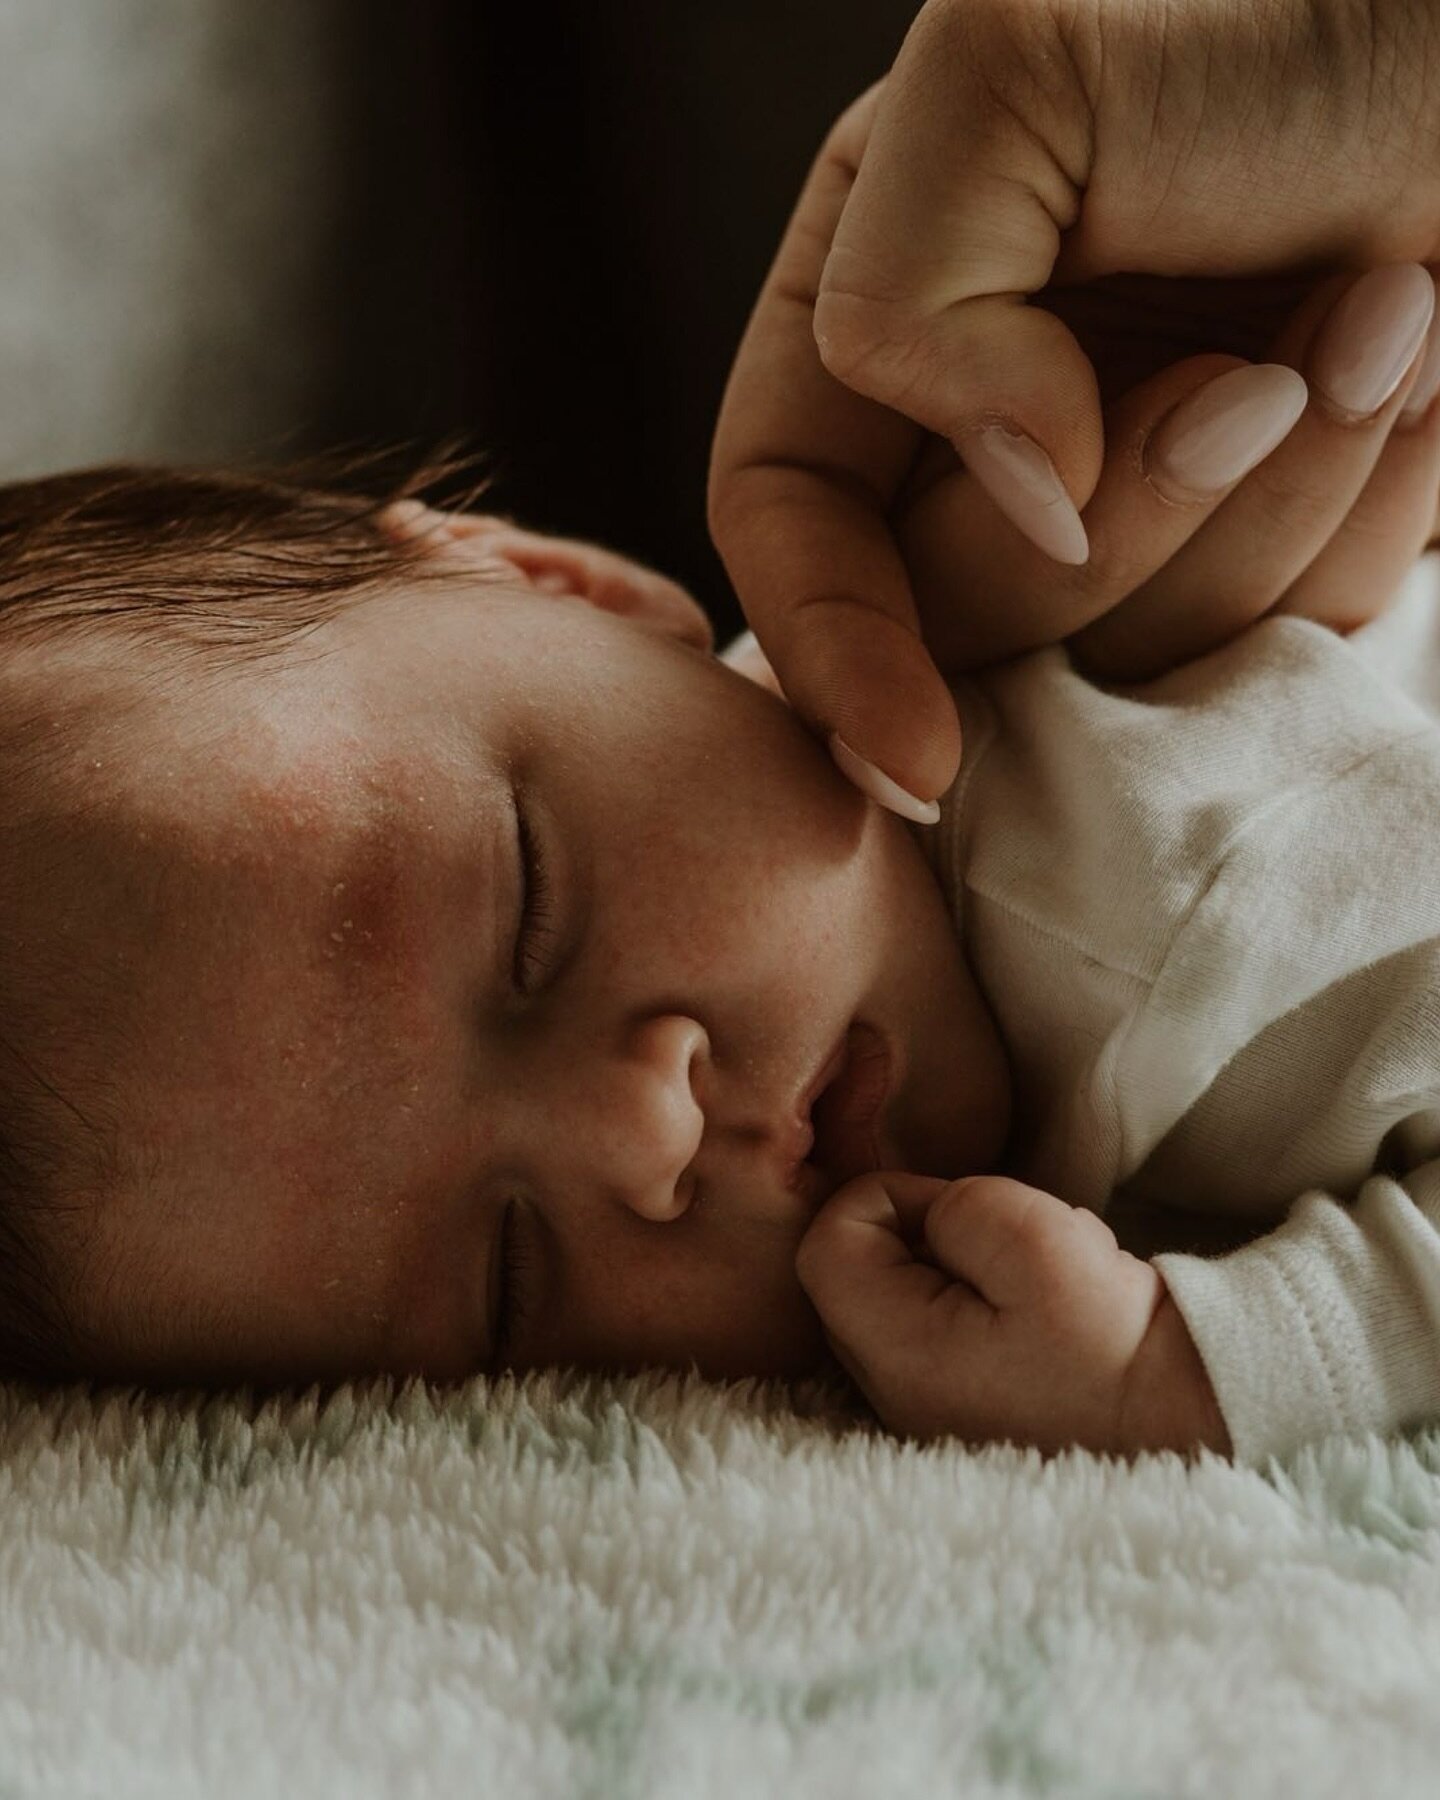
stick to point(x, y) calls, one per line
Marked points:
point(61, 691)
point(190, 881)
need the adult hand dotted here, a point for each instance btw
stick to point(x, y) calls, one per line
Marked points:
point(1184, 554)
point(1019, 149)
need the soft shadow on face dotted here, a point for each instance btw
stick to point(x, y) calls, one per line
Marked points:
point(361, 1074)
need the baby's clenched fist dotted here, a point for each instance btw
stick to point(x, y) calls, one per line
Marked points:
point(984, 1309)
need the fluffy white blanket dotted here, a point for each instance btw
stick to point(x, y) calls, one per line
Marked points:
point(593, 1588)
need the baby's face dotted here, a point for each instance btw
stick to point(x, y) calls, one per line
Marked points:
point(349, 1053)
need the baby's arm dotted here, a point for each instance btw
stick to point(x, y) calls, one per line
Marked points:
point(1329, 1323)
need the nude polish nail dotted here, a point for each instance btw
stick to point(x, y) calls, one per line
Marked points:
point(1021, 479)
point(1427, 383)
point(879, 787)
point(1219, 433)
point(1371, 338)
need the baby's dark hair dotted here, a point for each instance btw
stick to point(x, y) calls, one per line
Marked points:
point(216, 565)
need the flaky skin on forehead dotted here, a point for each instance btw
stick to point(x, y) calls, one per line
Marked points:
point(151, 570)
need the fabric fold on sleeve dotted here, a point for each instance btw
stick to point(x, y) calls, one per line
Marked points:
point(1329, 1323)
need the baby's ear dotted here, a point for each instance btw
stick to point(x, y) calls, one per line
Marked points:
point(564, 567)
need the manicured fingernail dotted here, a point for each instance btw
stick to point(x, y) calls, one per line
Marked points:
point(1020, 478)
point(1371, 337)
point(878, 786)
point(740, 649)
point(1417, 402)
point(1218, 433)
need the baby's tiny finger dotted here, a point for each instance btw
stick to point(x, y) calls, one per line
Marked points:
point(801, 475)
point(854, 1262)
point(872, 1215)
point(1001, 1237)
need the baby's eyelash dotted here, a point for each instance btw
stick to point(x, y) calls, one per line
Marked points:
point(514, 1261)
point(535, 924)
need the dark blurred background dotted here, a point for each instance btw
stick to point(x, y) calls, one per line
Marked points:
point(239, 231)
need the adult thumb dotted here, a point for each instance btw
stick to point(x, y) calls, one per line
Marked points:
point(974, 165)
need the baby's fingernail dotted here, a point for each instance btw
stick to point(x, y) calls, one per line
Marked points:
point(1021, 479)
point(879, 786)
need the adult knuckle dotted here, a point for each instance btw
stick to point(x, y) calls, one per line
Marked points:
point(846, 140)
point(1290, 502)
point(877, 333)
point(1051, 1250)
point(1028, 1208)
point(732, 500)
point(857, 334)
point(1377, 519)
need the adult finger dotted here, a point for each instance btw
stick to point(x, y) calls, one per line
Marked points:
point(1358, 572)
point(1359, 341)
point(1022, 145)
point(976, 163)
point(802, 473)
point(961, 550)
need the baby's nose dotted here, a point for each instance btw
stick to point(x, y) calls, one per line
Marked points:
point(657, 1123)
point(661, 1202)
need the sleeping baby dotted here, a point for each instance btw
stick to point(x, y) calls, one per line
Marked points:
point(423, 954)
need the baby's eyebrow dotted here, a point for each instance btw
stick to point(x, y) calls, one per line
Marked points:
point(539, 1265)
point(376, 891)
point(377, 888)
point(363, 911)
point(497, 1299)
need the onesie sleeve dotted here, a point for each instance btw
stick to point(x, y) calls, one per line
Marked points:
point(1329, 1323)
